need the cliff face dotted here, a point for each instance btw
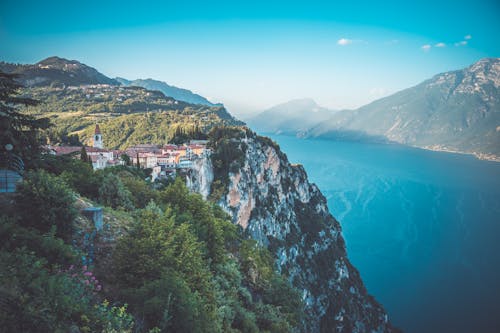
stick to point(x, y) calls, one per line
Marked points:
point(277, 206)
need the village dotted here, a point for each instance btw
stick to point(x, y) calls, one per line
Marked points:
point(164, 160)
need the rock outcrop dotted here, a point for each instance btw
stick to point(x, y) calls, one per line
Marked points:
point(273, 201)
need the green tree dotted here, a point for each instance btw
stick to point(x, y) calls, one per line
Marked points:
point(16, 128)
point(126, 159)
point(160, 271)
point(83, 155)
point(141, 191)
point(113, 193)
point(43, 200)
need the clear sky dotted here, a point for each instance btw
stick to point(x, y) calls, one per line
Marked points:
point(251, 55)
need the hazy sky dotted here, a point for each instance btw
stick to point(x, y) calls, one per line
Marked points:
point(251, 55)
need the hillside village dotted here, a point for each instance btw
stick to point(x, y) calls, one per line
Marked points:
point(164, 160)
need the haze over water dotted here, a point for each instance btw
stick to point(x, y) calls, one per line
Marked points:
point(422, 228)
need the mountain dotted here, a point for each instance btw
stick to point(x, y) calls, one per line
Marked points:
point(453, 111)
point(179, 94)
point(273, 201)
point(295, 116)
point(56, 71)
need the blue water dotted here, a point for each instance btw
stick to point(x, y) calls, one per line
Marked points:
point(422, 227)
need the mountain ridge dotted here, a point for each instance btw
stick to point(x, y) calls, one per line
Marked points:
point(56, 71)
point(294, 116)
point(177, 93)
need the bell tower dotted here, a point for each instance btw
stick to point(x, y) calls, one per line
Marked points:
point(98, 137)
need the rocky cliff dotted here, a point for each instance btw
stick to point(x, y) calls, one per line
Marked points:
point(273, 201)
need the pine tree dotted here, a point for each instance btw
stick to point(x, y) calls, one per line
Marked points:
point(83, 155)
point(18, 131)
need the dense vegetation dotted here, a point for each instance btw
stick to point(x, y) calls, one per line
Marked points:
point(182, 267)
point(228, 155)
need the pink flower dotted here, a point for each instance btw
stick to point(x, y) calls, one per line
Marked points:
point(93, 278)
point(87, 282)
point(87, 273)
point(98, 287)
point(84, 268)
point(73, 275)
point(71, 267)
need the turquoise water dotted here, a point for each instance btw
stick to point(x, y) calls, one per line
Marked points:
point(422, 227)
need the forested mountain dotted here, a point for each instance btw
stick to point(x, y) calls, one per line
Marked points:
point(456, 111)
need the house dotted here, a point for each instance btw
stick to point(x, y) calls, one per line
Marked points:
point(98, 162)
point(167, 161)
point(108, 154)
point(63, 150)
point(146, 160)
point(169, 149)
point(195, 149)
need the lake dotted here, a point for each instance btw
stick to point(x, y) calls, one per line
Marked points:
point(422, 227)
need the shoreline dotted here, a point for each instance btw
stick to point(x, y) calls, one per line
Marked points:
point(477, 155)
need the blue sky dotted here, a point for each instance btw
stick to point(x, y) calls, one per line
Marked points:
point(254, 54)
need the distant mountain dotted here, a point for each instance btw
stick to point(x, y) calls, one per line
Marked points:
point(295, 116)
point(454, 111)
point(179, 94)
point(56, 71)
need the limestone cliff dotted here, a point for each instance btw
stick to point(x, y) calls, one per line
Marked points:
point(277, 206)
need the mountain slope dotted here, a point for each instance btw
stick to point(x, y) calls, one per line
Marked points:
point(456, 111)
point(179, 94)
point(294, 116)
point(56, 71)
point(128, 115)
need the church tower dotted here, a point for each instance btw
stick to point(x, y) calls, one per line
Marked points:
point(98, 137)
